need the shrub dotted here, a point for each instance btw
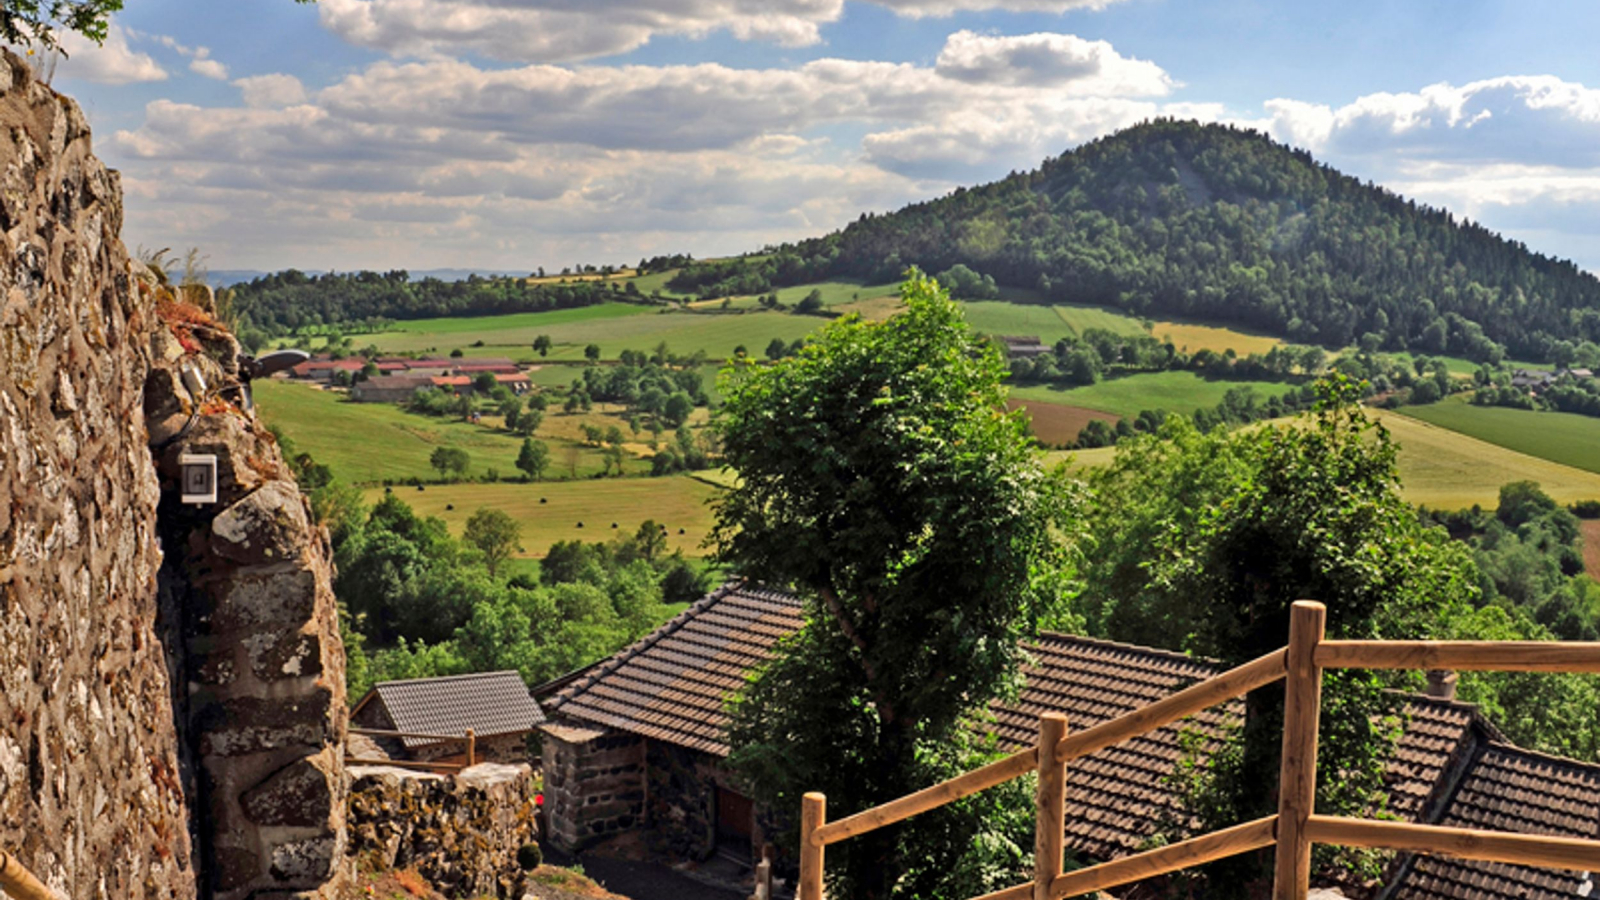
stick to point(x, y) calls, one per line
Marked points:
point(529, 857)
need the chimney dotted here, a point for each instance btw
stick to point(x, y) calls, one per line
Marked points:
point(1441, 684)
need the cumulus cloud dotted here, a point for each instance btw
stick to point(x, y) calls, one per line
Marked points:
point(209, 68)
point(1049, 60)
point(565, 30)
point(271, 91)
point(571, 30)
point(1528, 119)
point(114, 62)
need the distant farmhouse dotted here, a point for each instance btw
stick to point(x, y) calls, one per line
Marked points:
point(1023, 346)
point(636, 743)
point(429, 718)
point(399, 378)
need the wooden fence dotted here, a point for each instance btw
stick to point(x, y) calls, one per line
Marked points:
point(1295, 827)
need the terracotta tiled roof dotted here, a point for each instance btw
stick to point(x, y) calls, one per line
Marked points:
point(671, 685)
point(1510, 789)
point(489, 703)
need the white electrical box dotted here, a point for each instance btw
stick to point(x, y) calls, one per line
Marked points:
point(199, 478)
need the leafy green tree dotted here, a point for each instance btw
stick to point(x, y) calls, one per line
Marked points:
point(542, 344)
point(533, 458)
point(529, 420)
point(811, 303)
point(881, 478)
point(495, 534)
point(592, 352)
point(450, 460)
point(1202, 543)
point(777, 349)
point(651, 538)
point(676, 409)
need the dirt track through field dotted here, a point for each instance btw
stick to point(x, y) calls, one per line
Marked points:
point(1591, 547)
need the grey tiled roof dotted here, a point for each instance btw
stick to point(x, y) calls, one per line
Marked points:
point(1510, 789)
point(489, 703)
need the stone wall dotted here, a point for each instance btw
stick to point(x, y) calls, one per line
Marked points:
point(170, 724)
point(460, 832)
point(594, 783)
point(247, 584)
point(91, 782)
point(683, 799)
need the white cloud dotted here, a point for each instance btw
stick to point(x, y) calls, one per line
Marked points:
point(920, 8)
point(1529, 119)
point(571, 30)
point(1049, 60)
point(566, 30)
point(113, 62)
point(271, 91)
point(210, 68)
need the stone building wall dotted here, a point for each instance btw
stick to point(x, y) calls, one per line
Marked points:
point(170, 722)
point(460, 832)
point(682, 810)
point(594, 783)
point(247, 584)
point(91, 782)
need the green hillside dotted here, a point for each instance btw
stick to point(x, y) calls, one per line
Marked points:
point(1225, 226)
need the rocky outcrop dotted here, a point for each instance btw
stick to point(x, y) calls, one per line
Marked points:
point(91, 790)
point(461, 833)
point(170, 725)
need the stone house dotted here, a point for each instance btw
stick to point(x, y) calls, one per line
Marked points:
point(637, 742)
point(495, 705)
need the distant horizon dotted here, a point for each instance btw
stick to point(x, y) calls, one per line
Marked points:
point(378, 131)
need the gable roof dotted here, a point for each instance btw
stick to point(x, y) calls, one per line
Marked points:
point(670, 686)
point(1506, 788)
point(489, 703)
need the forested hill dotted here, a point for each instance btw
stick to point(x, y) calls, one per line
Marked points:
point(1225, 224)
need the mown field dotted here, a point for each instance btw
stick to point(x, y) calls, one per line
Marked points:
point(1440, 468)
point(1566, 438)
point(1192, 338)
point(1176, 392)
point(1055, 424)
point(551, 511)
point(368, 443)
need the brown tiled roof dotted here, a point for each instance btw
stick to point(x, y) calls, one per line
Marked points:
point(1510, 789)
point(489, 703)
point(671, 685)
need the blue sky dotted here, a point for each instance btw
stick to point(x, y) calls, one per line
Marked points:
point(512, 134)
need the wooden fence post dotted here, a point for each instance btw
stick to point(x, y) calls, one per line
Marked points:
point(813, 815)
point(472, 748)
point(1049, 827)
point(1297, 781)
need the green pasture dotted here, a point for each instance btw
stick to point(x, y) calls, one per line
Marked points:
point(368, 443)
point(1176, 392)
point(613, 326)
point(551, 511)
point(1439, 468)
point(1566, 438)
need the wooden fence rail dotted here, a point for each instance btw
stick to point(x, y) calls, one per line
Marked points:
point(1296, 826)
point(19, 883)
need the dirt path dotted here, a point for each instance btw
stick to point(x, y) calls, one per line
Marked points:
point(1591, 547)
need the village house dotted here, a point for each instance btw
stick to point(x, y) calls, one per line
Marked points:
point(389, 388)
point(430, 718)
point(636, 742)
point(1023, 346)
